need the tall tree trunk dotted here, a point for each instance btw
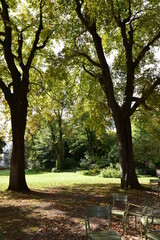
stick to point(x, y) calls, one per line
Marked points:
point(126, 158)
point(58, 143)
point(61, 152)
point(90, 140)
point(16, 89)
point(17, 171)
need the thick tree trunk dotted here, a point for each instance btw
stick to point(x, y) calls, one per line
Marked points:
point(126, 158)
point(17, 170)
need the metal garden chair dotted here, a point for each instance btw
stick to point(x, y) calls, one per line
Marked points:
point(155, 185)
point(105, 213)
point(120, 208)
point(153, 220)
point(136, 210)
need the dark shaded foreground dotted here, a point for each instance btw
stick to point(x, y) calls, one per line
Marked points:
point(59, 213)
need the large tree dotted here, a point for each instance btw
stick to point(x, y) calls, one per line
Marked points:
point(21, 36)
point(127, 31)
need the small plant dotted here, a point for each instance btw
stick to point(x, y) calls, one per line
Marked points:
point(101, 161)
point(111, 171)
point(92, 172)
point(69, 163)
point(84, 164)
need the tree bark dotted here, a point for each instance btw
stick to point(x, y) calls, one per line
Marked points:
point(58, 143)
point(59, 163)
point(17, 169)
point(126, 156)
point(16, 91)
point(90, 140)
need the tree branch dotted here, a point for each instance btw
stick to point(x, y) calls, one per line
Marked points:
point(5, 90)
point(145, 50)
point(126, 20)
point(1, 42)
point(90, 27)
point(36, 40)
point(8, 39)
point(2, 34)
point(145, 95)
point(20, 45)
point(89, 72)
point(89, 59)
point(45, 41)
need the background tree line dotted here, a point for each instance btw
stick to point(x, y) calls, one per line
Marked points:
point(103, 77)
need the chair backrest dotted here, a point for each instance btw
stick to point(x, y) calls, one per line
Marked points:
point(154, 219)
point(158, 173)
point(148, 206)
point(99, 212)
point(120, 201)
point(154, 181)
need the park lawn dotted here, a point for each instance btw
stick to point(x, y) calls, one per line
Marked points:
point(55, 208)
point(44, 180)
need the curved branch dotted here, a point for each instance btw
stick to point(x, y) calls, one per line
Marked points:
point(37, 71)
point(2, 34)
point(5, 89)
point(35, 46)
point(145, 50)
point(89, 72)
point(45, 41)
point(36, 40)
point(90, 27)
point(8, 39)
point(89, 59)
point(145, 95)
point(126, 20)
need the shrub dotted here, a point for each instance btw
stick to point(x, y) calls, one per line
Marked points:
point(84, 164)
point(113, 154)
point(92, 172)
point(69, 163)
point(145, 169)
point(100, 161)
point(111, 171)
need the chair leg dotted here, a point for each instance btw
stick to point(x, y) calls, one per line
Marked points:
point(141, 230)
point(135, 222)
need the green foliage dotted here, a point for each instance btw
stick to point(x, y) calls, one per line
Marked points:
point(92, 172)
point(146, 142)
point(101, 161)
point(113, 154)
point(42, 155)
point(84, 163)
point(2, 144)
point(145, 169)
point(111, 171)
point(69, 163)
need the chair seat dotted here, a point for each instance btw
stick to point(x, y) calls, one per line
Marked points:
point(105, 235)
point(118, 212)
point(146, 219)
point(155, 235)
point(136, 213)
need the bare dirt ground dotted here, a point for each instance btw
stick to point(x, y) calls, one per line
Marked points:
point(59, 213)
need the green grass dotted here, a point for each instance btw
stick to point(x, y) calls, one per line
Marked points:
point(47, 179)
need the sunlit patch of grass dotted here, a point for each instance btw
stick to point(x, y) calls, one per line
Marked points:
point(45, 180)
